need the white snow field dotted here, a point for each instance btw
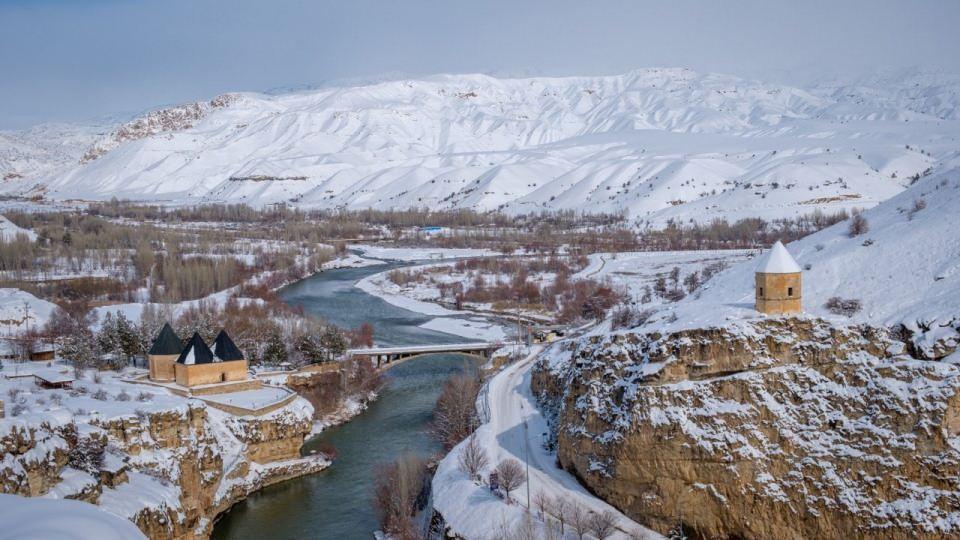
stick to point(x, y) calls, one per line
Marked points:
point(657, 144)
point(514, 429)
point(34, 518)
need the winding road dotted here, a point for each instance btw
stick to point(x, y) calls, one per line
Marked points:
point(518, 429)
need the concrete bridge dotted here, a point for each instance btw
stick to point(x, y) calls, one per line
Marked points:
point(382, 357)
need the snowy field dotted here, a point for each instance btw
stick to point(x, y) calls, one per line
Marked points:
point(31, 518)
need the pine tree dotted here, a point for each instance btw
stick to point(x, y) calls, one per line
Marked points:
point(275, 351)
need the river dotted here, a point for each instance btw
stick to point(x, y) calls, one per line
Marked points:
point(336, 503)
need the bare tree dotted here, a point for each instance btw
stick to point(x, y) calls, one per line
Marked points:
point(398, 487)
point(455, 416)
point(510, 475)
point(561, 510)
point(579, 519)
point(551, 530)
point(603, 524)
point(542, 502)
point(473, 458)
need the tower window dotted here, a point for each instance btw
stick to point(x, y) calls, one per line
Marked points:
point(761, 291)
point(789, 291)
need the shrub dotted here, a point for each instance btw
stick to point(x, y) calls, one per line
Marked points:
point(858, 225)
point(123, 396)
point(17, 409)
point(100, 394)
point(144, 396)
point(840, 306)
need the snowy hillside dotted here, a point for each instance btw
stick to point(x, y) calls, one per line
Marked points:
point(656, 143)
point(9, 231)
point(30, 155)
point(904, 269)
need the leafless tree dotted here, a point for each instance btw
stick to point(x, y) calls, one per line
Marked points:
point(579, 520)
point(455, 416)
point(510, 474)
point(603, 525)
point(551, 530)
point(397, 489)
point(473, 458)
point(542, 502)
point(561, 510)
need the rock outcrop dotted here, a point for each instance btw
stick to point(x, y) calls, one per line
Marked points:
point(171, 472)
point(779, 428)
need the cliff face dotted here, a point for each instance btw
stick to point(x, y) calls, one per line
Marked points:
point(170, 472)
point(782, 428)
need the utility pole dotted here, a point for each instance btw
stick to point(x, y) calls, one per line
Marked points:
point(526, 459)
point(517, 348)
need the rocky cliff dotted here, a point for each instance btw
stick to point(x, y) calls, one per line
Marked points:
point(773, 428)
point(170, 471)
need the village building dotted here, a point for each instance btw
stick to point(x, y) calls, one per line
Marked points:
point(43, 352)
point(198, 365)
point(163, 354)
point(778, 282)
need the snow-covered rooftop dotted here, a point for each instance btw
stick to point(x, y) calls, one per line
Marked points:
point(778, 261)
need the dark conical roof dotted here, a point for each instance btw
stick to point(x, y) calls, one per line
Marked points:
point(167, 342)
point(224, 348)
point(196, 352)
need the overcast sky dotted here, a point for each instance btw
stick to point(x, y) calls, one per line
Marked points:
point(74, 60)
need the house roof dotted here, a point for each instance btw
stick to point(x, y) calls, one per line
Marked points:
point(224, 348)
point(196, 352)
point(167, 342)
point(53, 376)
point(778, 261)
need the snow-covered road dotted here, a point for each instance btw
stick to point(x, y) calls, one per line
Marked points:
point(515, 429)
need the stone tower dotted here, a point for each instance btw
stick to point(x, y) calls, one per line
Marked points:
point(778, 286)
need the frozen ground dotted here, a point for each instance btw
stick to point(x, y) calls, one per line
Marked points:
point(514, 429)
point(31, 518)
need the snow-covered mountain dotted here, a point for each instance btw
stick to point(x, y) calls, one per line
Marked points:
point(655, 143)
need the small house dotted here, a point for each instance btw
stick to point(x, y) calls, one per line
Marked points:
point(43, 352)
point(53, 378)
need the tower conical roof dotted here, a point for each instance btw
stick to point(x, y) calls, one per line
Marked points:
point(166, 343)
point(778, 261)
point(196, 352)
point(224, 348)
